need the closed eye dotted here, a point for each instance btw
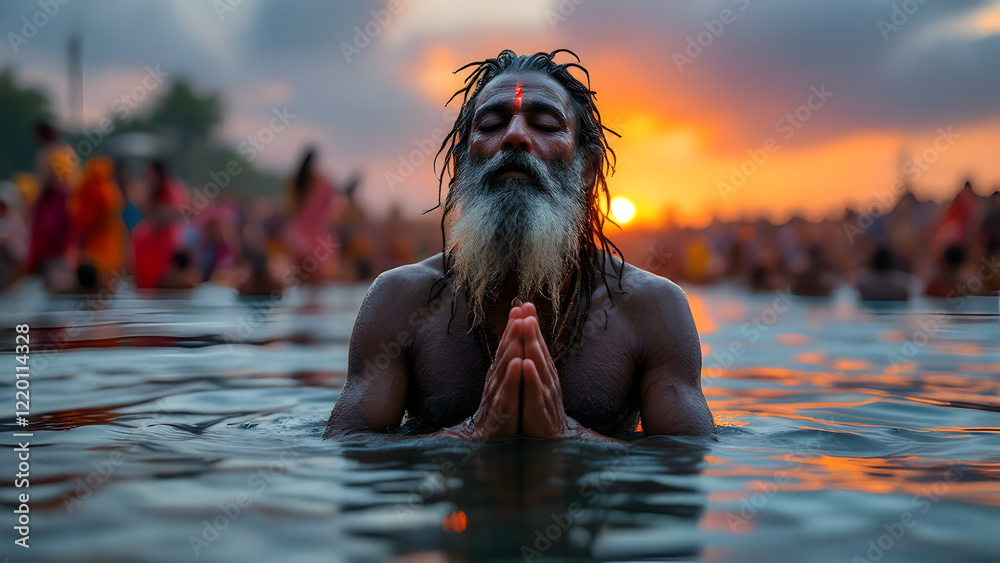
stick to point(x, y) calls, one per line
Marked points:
point(493, 126)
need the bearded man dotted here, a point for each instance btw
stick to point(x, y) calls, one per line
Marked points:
point(528, 323)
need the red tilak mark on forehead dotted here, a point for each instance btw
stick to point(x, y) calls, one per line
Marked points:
point(517, 95)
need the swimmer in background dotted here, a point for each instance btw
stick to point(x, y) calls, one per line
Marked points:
point(528, 323)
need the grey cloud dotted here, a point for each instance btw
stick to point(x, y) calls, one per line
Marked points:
point(760, 67)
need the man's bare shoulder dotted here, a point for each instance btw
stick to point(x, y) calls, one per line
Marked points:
point(649, 294)
point(407, 278)
point(658, 311)
point(405, 286)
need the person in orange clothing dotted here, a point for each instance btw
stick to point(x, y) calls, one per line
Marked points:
point(95, 210)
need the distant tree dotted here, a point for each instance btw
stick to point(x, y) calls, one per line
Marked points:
point(20, 109)
point(186, 120)
point(186, 115)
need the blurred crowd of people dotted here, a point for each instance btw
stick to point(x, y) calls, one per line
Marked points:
point(949, 250)
point(79, 227)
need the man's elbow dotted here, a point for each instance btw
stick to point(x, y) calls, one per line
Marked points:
point(685, 414)
point(342, 427)
point(696, 426)
point(700, 426)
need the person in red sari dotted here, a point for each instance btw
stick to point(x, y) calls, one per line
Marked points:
point(159, 235)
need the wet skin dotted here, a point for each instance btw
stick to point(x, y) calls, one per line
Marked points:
point(639, 355)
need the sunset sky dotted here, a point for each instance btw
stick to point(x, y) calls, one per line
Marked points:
point(909, 89)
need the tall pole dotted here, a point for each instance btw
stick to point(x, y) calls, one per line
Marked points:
point(75, 81)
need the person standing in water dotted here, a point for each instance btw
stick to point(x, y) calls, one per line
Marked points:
point(528, 323)
point(311, 206)
point(95, 209)
point(160, 234)
point(51, 242)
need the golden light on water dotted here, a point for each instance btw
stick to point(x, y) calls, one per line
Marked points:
point(622, 209)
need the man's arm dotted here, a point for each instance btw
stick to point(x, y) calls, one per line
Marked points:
point(374, 397)
point(671, 399)
point(373, 401)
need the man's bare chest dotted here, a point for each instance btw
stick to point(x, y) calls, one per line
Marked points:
point(447, 374)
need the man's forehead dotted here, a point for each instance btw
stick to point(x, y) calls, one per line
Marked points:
point(533, 85)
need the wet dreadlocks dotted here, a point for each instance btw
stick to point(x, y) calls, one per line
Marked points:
point(592, 146)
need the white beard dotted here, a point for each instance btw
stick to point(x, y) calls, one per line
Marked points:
point(516, 226)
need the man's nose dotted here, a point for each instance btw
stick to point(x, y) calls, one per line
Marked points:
point(517, 136)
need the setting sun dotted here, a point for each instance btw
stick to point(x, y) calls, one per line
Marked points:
point(622, 209)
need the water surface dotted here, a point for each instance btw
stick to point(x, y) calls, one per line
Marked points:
point(187, 426)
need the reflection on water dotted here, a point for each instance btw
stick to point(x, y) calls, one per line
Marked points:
point(530, 497)
point(184, 426)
